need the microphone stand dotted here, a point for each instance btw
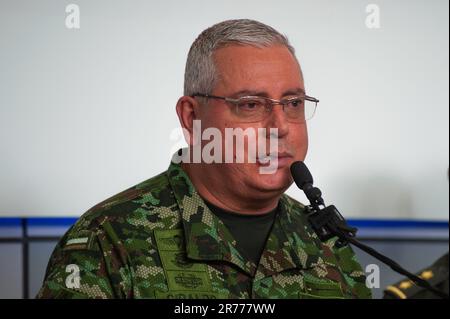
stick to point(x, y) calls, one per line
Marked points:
point(328, 222)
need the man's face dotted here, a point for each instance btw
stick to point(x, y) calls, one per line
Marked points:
point(271, 72)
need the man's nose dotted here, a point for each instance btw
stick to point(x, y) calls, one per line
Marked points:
point(277, 119)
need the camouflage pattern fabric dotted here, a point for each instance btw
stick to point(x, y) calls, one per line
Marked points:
point(158, 239)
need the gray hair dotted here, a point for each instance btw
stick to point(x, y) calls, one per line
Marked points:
point(200, 75)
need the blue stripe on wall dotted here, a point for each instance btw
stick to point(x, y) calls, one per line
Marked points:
point(10, 221)
point(51, 221)
point(397, 223)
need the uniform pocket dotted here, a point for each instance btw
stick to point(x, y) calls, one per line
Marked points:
point(321, 289)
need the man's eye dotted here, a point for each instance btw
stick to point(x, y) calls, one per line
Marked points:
point(295, 103)
point(249, 105)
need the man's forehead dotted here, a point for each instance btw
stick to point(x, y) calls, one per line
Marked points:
point(247, 70)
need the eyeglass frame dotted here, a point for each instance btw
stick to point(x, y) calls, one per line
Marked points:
point(273, 101)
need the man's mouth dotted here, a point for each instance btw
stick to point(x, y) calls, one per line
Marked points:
point(281, 158)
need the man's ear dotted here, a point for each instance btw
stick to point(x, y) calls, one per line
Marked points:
point(187, 111)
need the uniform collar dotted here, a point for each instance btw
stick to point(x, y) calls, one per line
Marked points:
point(291, 244)
point(207, 238)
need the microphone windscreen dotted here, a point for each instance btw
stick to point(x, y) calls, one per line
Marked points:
point(301, 175)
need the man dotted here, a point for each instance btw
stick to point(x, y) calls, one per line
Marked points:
point(220, 228)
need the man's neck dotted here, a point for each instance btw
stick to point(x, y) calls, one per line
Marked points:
point(228, 197)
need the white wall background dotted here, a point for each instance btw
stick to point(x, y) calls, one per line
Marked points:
point(87, 113)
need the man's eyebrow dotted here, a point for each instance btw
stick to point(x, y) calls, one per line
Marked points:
point(241, 93)
point(249, 93)
point(296, 91)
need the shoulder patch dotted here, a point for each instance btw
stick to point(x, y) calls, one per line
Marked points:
point(82, 240)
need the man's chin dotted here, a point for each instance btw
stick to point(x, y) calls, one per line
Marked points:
point(280, 180)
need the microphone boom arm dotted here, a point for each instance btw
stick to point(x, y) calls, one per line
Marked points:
point(328, 222)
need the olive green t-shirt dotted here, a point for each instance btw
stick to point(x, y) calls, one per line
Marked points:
point(249, 231)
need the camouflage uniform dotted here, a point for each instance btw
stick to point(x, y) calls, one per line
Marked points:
point(158, 239)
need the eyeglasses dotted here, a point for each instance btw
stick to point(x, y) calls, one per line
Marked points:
point(298, 108)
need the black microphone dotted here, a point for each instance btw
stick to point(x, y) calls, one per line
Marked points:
point(328, 222)
point(304, 180)
point(300, 173)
